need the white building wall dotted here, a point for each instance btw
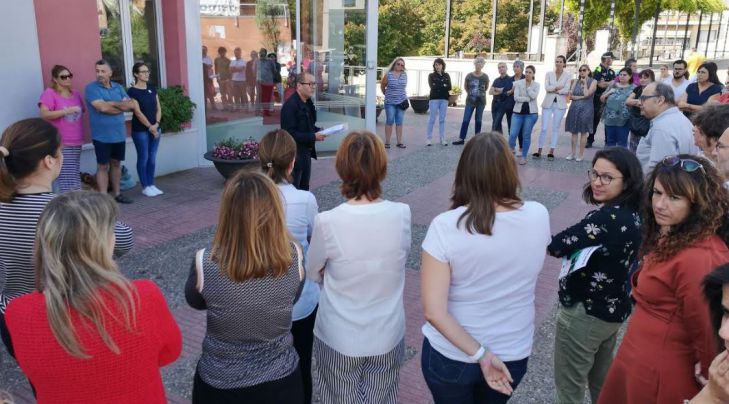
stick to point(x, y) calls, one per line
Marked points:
point(21, 80)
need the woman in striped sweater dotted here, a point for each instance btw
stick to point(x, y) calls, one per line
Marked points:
point(30, 160)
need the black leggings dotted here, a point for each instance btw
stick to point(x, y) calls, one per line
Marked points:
point(285, 390)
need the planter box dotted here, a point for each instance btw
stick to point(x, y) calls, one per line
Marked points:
point(420, 104)
point(453, 99)
point(228, 168)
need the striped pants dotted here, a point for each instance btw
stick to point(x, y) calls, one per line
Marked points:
point(69, 179)
point(339, 378)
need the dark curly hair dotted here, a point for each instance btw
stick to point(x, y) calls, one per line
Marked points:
point(713, 292)
point(708, 211)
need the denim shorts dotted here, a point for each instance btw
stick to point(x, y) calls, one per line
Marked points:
point(394, 114)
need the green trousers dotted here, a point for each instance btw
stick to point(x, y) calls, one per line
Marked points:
point(583, 351)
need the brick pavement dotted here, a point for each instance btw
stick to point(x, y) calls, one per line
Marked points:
point(191, 200)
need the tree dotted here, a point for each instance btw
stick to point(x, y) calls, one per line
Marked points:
point(267, 14)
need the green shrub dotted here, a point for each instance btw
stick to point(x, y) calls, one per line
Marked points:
point(177, 108)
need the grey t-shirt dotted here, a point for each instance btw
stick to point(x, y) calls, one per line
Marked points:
point(476, 87)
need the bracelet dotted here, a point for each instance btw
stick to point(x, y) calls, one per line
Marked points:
point(478, 355)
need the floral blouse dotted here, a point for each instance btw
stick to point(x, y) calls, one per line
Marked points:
point(602, 285)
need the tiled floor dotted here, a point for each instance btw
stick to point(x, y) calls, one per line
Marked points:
point(191, 199)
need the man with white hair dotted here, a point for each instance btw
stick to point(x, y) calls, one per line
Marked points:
point(671, 133)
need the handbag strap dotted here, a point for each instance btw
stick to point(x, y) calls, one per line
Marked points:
point(199, 268)
point(300, 258)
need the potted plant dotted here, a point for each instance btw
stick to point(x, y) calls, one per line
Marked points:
point(177, 109)
point(420, 103)
point(379, 106)
point(453, 95)
point(231, 155)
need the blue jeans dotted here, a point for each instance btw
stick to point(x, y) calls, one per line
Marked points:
point(146, 145)
point(522, 124)
point(616, 135)
point(394, 114)
point(439, 108)
point(452, 381)
point(497, 115)
point(467, 119)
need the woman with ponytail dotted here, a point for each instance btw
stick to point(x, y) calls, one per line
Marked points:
point(277, 153)
point(30, 160)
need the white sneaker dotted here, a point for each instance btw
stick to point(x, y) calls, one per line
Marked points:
point(156, 190)
point(427, 143)
point(443, 142)
point(148, 191)
point(570, 157)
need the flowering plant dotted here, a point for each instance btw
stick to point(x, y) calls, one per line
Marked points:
point(232, 149)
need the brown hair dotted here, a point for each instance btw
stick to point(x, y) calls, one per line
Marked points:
point(28, 142)
point(55, 72)
point(486, 176)
point(252, 240)
point(276, 152)
point(362, 165)
point(76, 272)
point(709, 205)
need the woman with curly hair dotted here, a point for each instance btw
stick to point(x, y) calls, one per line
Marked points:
point(669, 334)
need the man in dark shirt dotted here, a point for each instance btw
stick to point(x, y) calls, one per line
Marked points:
point(502, 103)
point(604, 76)
point(298, 117)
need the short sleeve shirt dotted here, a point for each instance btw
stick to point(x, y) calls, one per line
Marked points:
point(147, 100)
point(70, 127)
point(602, 73)
point(476, 87)
point(106, 128)
point(506, 83)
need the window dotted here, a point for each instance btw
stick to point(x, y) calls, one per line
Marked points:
point(129, 31)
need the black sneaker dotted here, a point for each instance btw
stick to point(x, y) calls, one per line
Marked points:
point(123, 199)
point(458, 142)
point(588, 145)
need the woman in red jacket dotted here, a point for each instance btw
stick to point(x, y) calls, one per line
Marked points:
point(670, 331)
point(88, 334)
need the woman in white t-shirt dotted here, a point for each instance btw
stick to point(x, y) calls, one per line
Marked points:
point(277, 153)
point(480, 263)
point(358, 250)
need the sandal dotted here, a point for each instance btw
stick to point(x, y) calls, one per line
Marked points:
point(550, 157)
point(400, 145)
point(387, 145)
point(536, 155)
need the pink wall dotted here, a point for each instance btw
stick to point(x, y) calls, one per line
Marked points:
point(68, 34)
point(173, 30)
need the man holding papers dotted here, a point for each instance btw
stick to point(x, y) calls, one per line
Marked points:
point(298, 118)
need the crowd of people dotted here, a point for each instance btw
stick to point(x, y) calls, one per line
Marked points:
point(288, 318)
point(106, 103)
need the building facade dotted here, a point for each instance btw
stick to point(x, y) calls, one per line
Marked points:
point(168, 35)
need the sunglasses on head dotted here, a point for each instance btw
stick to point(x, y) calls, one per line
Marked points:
point(687, 165)
point(66, 76)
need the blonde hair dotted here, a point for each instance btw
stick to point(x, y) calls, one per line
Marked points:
point(276, 152)
point(76, 272)
point(252, 240)
point(392, 64)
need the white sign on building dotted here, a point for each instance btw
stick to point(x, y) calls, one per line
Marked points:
point(220, 8)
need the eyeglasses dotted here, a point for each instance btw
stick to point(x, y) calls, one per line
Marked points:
point(647, 97)
point(687, 165)
point(310, 84)
point(720, 147)
point(584, 70)
point(66, 76)
point(143, 72)
point(605, 179)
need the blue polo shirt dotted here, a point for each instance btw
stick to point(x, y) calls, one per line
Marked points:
point(107, 128)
